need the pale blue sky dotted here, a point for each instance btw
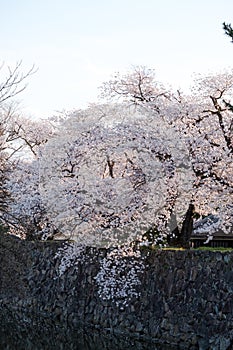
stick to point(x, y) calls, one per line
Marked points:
point(78, 44)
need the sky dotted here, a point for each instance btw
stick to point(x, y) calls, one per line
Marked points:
point(78, 44)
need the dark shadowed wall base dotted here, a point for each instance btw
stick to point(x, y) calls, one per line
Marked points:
point(186, 297)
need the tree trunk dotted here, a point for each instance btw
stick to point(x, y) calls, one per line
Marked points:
point(174, 238)
point(187, 227)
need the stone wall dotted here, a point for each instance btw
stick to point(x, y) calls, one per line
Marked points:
point(185, 297)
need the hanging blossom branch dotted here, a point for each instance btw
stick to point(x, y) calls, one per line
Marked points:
point(119, 277)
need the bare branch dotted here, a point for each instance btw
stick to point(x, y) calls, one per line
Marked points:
point(14, 82)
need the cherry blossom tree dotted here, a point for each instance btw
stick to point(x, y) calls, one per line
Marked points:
point(13, 81)
point(210, 141)
point(107, 177)
point(26, 214)
point(146, 164)
point(203, 119)
point(20, 141)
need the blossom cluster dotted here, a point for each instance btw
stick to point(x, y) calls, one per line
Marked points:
point(120, 276)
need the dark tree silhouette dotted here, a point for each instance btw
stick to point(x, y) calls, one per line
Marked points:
point(228, 30)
